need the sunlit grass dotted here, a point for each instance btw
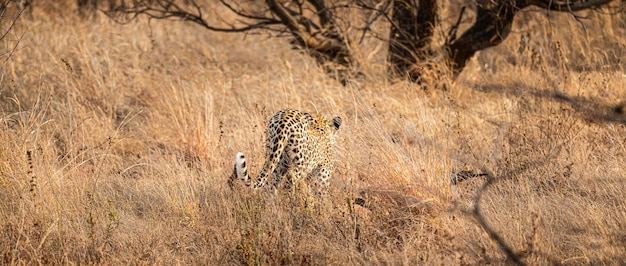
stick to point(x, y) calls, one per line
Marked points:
point(132, 132)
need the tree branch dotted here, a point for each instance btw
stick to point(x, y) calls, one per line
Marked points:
point(323, 42)
point(379, 12)
point(166, 9)
point(326, 16)
point(567, 6)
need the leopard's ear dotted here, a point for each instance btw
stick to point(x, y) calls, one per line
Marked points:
point(337, 122)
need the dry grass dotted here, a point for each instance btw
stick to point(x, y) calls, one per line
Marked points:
point(132, 131)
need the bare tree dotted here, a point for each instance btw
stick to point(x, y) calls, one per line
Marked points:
point(493, 24)
point(319, 27)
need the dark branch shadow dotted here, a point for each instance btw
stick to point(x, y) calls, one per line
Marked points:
point(593, 108)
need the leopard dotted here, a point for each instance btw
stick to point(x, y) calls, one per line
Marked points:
point(298, 146)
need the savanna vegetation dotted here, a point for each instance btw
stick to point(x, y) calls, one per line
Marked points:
point(117, 142)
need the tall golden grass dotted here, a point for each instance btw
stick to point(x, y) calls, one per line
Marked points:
point(118, 140)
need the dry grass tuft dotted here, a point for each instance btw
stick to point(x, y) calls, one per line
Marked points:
point(118, 142)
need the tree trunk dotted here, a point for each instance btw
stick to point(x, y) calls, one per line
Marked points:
point(493, 24)
point(410, 37)
point(329, 47)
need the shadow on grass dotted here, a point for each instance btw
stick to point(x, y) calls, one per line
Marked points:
point(595, 109)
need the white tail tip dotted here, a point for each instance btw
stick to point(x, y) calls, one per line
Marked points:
point(240, 166)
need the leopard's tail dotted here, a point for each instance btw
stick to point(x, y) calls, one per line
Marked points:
point(241, 169)
point(274, 151)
